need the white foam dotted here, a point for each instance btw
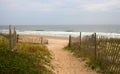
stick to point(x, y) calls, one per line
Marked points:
point(65, 34)
point(110, 35)
point(51, 33)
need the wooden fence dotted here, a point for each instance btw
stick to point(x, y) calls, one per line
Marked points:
point(32, 39)
point(14, 38)
point(103, 49)
point(11, 36)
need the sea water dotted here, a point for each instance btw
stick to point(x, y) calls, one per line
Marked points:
point(65, 30)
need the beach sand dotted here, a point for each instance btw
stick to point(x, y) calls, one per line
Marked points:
point(63, 61)
point(37, 38)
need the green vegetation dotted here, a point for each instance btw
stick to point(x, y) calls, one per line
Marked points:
point(90, 61)
point(94, 64)
point(102, 54)
point(66, 48)
point(24, 58)
point(3, 42)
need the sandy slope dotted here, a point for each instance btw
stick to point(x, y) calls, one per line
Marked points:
point(63, 61)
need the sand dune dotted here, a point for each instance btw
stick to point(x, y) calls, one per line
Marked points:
point(63, 61)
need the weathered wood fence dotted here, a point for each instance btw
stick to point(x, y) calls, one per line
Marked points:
point(13, 38)
point(32, 39)
point(103, 49)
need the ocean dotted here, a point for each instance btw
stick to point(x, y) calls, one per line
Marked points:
point(73, 28)
point(64, 30)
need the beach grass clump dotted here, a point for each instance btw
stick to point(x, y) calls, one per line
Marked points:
point(38, 51)
point(25, 58)
point(85, 55)
point(4, 43)
point(94, 64)
point(99, 53)
point(12, 62)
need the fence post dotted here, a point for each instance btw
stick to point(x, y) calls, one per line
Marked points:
point(15, 39)
point(95, 46)
point(10, 38)
point(80, 40)
point(46, 41)
point(41, 40)
point(69, 40)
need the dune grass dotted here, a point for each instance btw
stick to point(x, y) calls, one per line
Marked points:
point(25, 58)
point(102, 53)
point(4, 42)
point(89, 59)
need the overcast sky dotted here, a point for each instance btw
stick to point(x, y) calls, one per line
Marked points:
point(25, 12)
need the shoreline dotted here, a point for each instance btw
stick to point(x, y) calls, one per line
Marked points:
point(60, 34)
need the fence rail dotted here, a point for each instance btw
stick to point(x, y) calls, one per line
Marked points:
point(14, 38)
point(32, 39)
point(104, 49)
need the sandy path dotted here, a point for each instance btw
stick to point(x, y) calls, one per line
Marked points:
point(63, 61)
